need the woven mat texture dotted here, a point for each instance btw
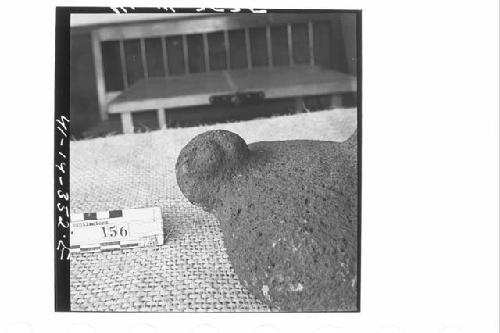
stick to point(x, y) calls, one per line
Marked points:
point(191, 271)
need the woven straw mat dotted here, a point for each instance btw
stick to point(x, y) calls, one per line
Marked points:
point(191, 271)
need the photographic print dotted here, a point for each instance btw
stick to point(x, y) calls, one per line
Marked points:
point(209, 160)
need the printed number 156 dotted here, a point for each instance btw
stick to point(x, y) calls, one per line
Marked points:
point(112, 231)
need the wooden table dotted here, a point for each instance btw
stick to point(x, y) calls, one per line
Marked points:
point(196, 89)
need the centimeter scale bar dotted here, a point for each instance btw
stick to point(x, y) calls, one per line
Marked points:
point(116, 229)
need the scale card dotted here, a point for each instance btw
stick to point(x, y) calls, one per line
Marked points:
point(116, 229)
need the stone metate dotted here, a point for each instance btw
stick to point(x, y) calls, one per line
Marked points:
point(288, 213)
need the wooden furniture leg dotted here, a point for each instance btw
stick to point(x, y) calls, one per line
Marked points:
point(127, 124)
point(162, 123)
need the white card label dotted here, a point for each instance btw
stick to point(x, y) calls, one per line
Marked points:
point(116, 229)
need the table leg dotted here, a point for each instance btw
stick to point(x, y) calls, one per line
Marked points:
point(127, 124)
point(335, 101)
point(162, 123)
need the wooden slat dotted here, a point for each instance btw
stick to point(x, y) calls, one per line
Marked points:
point(204, 99)
point(228, 51)
point(247, 46)
point(311, 43)
point(186, 55)
point(279, 82)
point(206, 53)
point(165, 56)
point(269, 47)
point(99, 76)
point(124, 65)
point(166, 103)
point(201, 23)
point(290, 45)
point(143, 58)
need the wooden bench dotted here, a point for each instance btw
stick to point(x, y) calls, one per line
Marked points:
point(180, 61)
point(197, 89)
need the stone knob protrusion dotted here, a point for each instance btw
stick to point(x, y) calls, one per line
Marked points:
point(204, 161)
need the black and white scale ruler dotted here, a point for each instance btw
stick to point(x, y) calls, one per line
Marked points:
point(116, 229)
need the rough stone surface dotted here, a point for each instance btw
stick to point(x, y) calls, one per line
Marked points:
point(288, 212)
